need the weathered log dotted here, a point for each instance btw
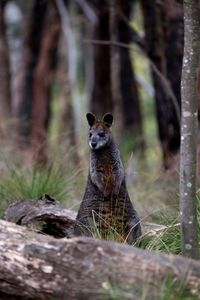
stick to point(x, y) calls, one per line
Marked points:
point(34, 266)
point(46, 215)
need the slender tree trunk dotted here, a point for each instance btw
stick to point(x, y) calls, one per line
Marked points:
point(74, 112)
point(131, 108)
point(162, 43)
point(67, 135)
point(5, 89)
point(101, 98)
point(188, 212)
point(115, 69)
point(174, 40)
point(24, 92)
point(43, 79)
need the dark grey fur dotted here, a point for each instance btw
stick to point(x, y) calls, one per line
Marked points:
point(106, 204)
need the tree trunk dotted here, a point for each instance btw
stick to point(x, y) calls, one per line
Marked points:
point(188, 212)
point(162, 41)
point(132, 115)
point(35, 266)
point(174, 42)
point(101, 99)
point(115, 69)
point(43, 79)
point(128, 112)
point(74, 112)
point(24, 93)
point(67, 128)
point(5, 91)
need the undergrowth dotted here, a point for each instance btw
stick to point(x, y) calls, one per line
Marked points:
point(60, 180)
point(64, 181)
point(154, 196)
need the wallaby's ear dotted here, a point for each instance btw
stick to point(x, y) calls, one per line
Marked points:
point(108, 119)
point(91, 119)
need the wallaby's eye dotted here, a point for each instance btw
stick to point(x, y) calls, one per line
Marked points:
point(90, 135)
point(101, 134)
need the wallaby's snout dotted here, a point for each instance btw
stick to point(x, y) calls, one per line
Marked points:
point(93, 144)
point(96, 141)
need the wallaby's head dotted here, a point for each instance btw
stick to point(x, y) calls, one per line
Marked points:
point(99, 132)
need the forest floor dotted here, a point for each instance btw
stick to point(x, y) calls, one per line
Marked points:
point(154, 192)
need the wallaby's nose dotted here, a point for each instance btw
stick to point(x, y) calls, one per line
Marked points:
point(94, 144)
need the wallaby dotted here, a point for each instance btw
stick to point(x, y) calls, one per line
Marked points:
point(106, 206)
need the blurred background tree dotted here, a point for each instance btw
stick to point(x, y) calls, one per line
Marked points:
point(61, 50)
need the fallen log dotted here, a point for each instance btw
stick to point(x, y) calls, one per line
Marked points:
point(44, 215)
point(48, 216)
point(35, 266)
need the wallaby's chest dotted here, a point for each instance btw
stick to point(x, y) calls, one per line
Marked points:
point(107, 174)
point(104, 170)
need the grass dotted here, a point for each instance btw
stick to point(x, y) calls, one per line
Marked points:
point(169, 290)
point(172, 291)
point(59, 180)
point(167, 240)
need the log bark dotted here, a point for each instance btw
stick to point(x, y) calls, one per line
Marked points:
point(34, 266)
point(44, 215)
